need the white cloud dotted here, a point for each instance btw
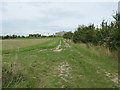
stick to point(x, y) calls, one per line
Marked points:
point(59, 0)
point(13, 11)
point(42, 17)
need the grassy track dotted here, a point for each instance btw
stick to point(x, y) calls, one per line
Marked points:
point(58, 64)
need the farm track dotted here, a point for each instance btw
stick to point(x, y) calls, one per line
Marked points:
point(64, 72)
point(59, 47)
point(62, 66)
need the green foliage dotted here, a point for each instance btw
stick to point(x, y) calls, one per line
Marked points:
point(84, 34)
point(68, 35)
point(108, 35)
point(73, 67)
point(34, 35)
point(30, 36)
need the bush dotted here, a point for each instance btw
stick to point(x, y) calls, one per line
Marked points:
point(68, 35)
point(107, 35)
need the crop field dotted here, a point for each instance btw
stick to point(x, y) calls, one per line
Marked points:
point(14, 44)
point(57, 63)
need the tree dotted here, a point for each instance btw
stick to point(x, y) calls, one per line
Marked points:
point(68, 35)
point(108, 35)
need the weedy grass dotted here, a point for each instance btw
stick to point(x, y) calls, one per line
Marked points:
point(96, 57)
point(74, 66)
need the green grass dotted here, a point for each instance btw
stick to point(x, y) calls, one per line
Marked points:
point(15, 43)
point(73, 67)
point(102, 61)
point(43, 45)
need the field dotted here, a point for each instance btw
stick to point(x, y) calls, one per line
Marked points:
point(14, 44)
point(57, 63)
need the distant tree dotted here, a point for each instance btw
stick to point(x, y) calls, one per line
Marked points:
point(34, 35)
point(43, 36)
point(6, 37)
point(14, 36)
point(68, 35)
point(22, 36)
point(18, 37)
point(0, 37)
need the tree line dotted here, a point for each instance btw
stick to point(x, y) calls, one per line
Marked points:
point(108, 35)
point(29, 36)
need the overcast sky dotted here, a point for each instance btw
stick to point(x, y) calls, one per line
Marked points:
point(49, 17)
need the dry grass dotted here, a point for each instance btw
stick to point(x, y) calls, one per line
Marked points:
point(14, 44)
point(82, 44)
point(99, 50)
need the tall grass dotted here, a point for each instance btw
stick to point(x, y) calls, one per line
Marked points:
point(100, 55)
point(13, 71)
point(10, 72)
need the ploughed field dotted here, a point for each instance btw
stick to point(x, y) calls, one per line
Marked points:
point(57, 63)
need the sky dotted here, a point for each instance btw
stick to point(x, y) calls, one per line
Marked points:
point(23, 18)
point(119, 7)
